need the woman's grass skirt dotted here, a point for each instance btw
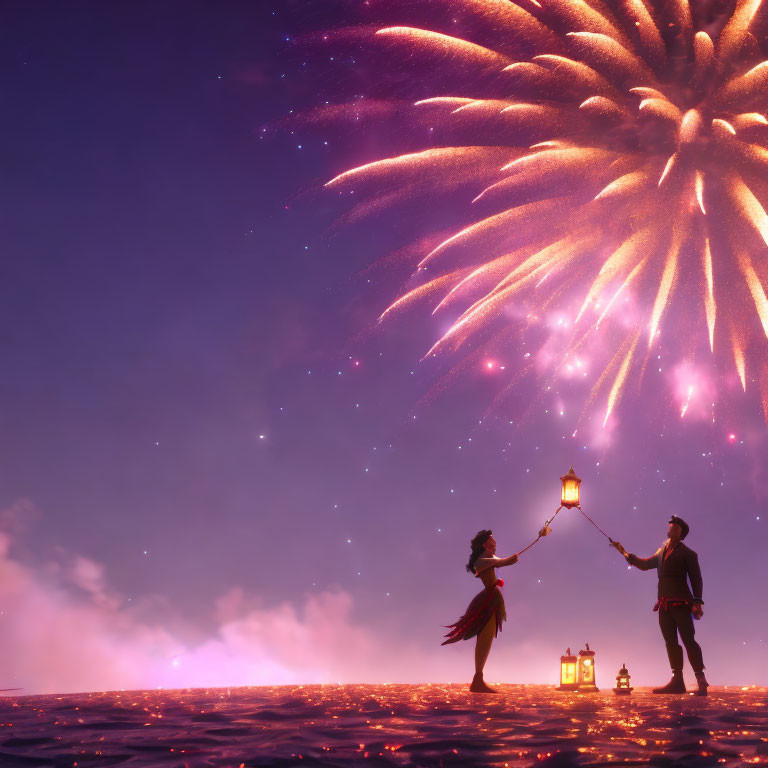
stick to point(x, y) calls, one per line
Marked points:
point(481, 610)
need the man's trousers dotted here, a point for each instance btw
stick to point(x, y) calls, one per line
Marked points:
point(679, 619)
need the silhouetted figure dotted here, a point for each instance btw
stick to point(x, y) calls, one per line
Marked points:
point(677, 604)
point(486, 612)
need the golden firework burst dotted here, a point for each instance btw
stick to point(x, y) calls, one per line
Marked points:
point(630, 158)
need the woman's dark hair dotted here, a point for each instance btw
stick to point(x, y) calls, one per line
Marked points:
point(477, 548)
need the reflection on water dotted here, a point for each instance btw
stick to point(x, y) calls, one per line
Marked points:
point(384, 725)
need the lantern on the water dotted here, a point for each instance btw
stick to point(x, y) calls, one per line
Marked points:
point(570, 494)
point(568, 667)
point(622, 682)
point(585, 671)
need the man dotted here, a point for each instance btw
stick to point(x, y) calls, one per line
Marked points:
point(677, 604)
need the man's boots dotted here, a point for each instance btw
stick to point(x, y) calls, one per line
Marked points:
point(675, 685)
point(703, 684)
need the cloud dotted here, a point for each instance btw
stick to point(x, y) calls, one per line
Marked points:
point(15, 518)
point(66, 630)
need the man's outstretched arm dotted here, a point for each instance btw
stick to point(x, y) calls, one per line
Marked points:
point(643, 563)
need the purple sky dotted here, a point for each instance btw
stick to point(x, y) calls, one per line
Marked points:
point(213, 472)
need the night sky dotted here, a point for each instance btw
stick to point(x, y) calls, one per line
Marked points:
point(216, 469)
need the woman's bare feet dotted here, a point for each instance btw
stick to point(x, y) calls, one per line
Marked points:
point(479, 686)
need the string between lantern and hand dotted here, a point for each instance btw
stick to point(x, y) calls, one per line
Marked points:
point(595, 524)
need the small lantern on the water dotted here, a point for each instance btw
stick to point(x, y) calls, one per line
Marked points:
point(568, 666)
point(570, 495)
point(622, 682)
point(585, 673)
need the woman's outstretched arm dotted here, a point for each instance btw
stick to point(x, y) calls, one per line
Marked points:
point(483, 563)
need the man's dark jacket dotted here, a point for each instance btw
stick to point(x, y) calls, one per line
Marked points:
point(681, 563)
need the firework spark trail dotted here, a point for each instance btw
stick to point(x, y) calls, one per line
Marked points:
point(738, 356)
point(709, 299)
point(495, 271)
point(630, 251)
point(687, 401)
point(636, 137)
point(750, 206)
point(446, 43)
point(665, 287)
point(418, 163)
point(629, 184)
point(700, 199)
point(621, 376)
point(764, 388)
point(421, 291)
point(756, 288)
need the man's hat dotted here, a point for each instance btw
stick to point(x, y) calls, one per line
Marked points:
point(683, 525)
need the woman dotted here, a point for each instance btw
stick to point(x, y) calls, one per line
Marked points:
point(485, 613)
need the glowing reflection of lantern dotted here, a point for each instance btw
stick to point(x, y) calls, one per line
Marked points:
point(570, 495)
point(585, 672)
point(568, 672)
point(622, 682)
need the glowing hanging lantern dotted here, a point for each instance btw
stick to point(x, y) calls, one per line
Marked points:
point(585, 672)
point(622, 682)
point(570, 495)
point(568, 672)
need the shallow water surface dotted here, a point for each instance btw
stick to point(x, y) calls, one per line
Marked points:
point(384, 725)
